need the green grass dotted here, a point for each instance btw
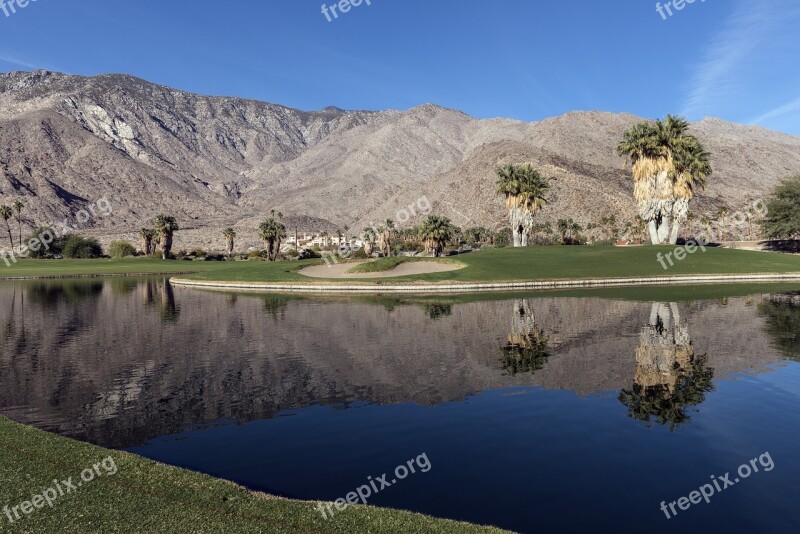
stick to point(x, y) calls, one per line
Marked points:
point(551, 263)
point(500, 265)
point(385, 264)
point(103, 267)
point(145, 496)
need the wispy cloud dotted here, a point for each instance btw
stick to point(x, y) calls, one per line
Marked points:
point(779, 112)
point(721, 75)
point(18, 62)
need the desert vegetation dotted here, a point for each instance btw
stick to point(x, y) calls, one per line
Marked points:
point(668, 165)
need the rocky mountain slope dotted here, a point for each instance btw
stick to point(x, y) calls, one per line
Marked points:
point(66, 141)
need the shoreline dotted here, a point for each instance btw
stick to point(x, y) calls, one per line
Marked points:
point(479, 287)
point(94, 275)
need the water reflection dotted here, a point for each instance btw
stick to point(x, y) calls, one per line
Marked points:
point(120, 362)
point(670, 378)
point(47, 294)
point(438, 311)
point(527, 349)
point(783, 322)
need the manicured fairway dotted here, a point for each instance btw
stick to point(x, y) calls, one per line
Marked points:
point(497, 265)
point(144, 496)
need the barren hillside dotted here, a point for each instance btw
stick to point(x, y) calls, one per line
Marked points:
point(66, 141)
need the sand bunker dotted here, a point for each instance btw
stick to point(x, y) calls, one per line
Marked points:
point(404, 269)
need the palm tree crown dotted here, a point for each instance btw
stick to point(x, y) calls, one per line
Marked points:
point(435, 232)
point(667, 165)
point(525, 191)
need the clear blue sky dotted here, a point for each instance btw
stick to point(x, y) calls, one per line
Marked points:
point(734, 59)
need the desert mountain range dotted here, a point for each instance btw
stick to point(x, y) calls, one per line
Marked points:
point(66, 141)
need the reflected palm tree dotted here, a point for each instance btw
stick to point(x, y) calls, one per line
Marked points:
point(527, 349)
point(669, 376)
point(149, 292)
point(167, 308)
point(438, 311)
point(275, 307)
point(783, 322)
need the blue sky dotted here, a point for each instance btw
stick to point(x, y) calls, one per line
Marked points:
point(734, 59)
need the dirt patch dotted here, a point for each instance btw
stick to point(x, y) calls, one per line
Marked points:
point(404, 269)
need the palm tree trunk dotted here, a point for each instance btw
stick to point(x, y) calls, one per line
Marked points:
point(663, 229)
point(166, 246)
point(651, 226)
point(11, 239)
point(676, 230)
point(19, 225)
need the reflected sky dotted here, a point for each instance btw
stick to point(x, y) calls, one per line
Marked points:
point(515, 396)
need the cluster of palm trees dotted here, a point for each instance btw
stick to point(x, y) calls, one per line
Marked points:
point(6, 213)
point(272, 232)
point(668, 166)
point(160, 235)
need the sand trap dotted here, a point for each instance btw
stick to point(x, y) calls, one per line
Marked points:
point(404, 269)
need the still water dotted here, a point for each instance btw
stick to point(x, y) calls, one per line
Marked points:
point(549, 412)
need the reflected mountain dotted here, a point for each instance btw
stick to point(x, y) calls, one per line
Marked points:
point(783, 322)
point(527, 348)
point(117, 366)
point(670, 378)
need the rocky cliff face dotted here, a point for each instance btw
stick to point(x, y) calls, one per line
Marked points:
point(66, 141)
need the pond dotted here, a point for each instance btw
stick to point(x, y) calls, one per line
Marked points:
point(558, 411)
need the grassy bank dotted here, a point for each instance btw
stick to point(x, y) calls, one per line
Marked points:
point(144, 496)
point(499, 265)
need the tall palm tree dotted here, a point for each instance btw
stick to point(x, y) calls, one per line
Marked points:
point(272, 233)
point(369, 237)
point(18, 207)
point(435, 232)
point(147, 235)
point(666, 164)
point(6, 213)
point(524, 189)
point(386, 237)
point(230, 235)
point(166, 226)
point(692, 167)
point(346, 237)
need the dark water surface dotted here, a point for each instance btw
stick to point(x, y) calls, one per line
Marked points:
point(547, 412)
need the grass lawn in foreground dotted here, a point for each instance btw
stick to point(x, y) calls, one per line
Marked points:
point(494, 265)
point(145, 496)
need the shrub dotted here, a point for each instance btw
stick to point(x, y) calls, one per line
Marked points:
point(78, 247)
point(43, 251)
point(197, 252)
point(503, 238)
point(359, 255)
point(121, 249)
